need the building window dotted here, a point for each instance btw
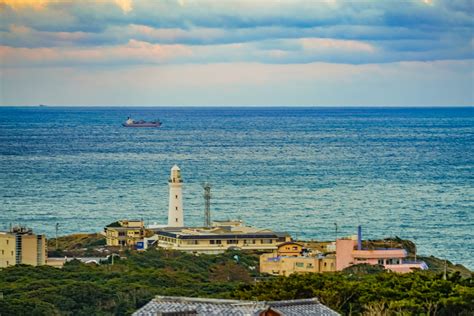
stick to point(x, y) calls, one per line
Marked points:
point(380, 261)
point(232, 242)
point(176, 208)
point(3, 252)
point(176, 220)
point(300, 264)
point(8, 241)
point(176, 196)
point(266, 241)
point(393, 261)
point(121, 233)
point(309, 265)
point(193, 242)
point(325, 264)
point(215, 242)
point(295, 248)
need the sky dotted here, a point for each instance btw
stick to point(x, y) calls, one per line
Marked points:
point(237, 52)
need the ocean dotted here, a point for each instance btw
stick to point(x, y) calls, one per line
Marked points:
point(404, 172)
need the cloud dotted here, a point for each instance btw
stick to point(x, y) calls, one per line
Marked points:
point(348, 42)
point(327, 31)
point(278, 51)
point(318, 44)
point(22, 4)
point(251, 13)
point(125, 5)
point(134, 52)
point(113, 33)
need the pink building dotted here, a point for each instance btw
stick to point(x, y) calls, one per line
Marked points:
point(349, 252)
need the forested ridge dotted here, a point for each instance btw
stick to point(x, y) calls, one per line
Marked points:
point(121, 288)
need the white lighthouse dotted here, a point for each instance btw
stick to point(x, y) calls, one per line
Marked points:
point(175, 210)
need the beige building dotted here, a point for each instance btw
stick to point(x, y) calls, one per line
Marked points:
point(290, 258)
point(290, 249)
point(125, 233)
point(21, 246)
point(320, 246)
point(220, 237)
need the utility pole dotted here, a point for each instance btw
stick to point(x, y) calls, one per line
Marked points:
point(207, 205)
point(57, 227)
point(113, 255)
point(445, 269)
point(416, 250)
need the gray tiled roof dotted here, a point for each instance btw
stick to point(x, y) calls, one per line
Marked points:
point(217, 307)
point(301, 307)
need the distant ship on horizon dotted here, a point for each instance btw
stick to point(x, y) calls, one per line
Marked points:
point(131, 123)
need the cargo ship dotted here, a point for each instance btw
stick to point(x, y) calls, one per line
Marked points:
point(131, 123)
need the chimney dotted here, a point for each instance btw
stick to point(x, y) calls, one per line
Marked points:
point(359, 237)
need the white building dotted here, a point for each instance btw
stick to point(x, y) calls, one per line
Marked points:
point(221, 236)
point(175, 210)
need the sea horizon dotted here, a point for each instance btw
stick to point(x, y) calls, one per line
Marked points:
point(249, 106)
